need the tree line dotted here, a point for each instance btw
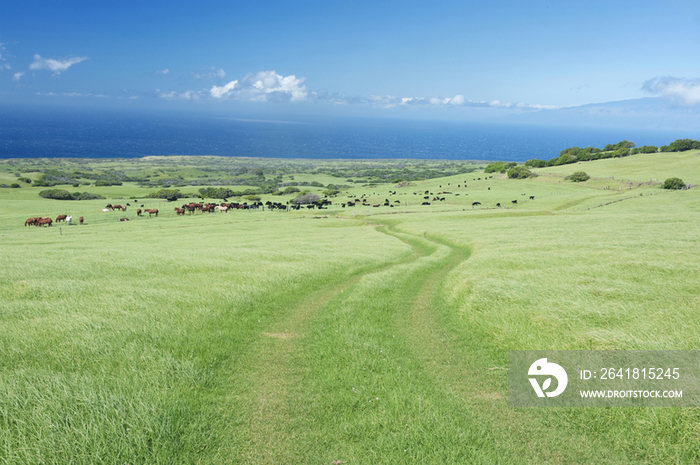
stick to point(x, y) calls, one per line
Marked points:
point(621, 149)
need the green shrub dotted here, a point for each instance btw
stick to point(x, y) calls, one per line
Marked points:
point(290, 190)
point(496, 167)
point(86, 196)
point(56, 194)
point(217, 193)
point(674, 183)
point(305, 198)
point(578, 176)
point(253, 198)
point(14, 185)
point(107, 182)
point(519, 172)
point(535, 163)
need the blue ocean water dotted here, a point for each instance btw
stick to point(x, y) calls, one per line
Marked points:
point(35, 133)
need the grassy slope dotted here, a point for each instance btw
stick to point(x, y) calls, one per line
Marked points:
point(260, 337)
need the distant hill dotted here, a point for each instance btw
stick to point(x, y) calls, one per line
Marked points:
point(645, 113)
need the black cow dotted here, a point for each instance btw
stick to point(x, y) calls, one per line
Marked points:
point(532, 197)
point(513, 202)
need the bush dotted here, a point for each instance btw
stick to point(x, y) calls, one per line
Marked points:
point(14, 185)
point(25, 180)
point(305, 198)
point(496, 167)
point(290, 190)
point(253, 198)
point(170, 194)
point(86, 196)
point(499, 167)
point(674, 183)
point(535, 163)
point(645, 149)
point(519, 172)
point(578, 176)
point(216, 193)
point(107, 182)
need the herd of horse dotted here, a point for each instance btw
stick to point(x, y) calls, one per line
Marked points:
point(46, 221)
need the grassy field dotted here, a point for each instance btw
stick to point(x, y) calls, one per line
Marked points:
point(349, 335)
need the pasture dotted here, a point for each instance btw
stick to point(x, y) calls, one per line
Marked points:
point(355, 335)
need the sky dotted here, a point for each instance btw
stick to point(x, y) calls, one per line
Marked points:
point(446, 59)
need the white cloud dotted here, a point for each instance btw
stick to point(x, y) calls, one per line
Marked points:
point(3, 65)
point(57, 66)
point(267, 86)
point(262, 87)
point(679, 91)
point(457, 100)
point(187, 95)
point(223, 91)
point(214, 74)
point(17, 76)
point(163, 71)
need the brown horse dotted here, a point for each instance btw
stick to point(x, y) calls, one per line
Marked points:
point(179, 211)
point(80, 220)
point(138, 212)
point(152, 212)
point(61, 218)
point(44, 221)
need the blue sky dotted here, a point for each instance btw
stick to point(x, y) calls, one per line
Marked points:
point(456, 60)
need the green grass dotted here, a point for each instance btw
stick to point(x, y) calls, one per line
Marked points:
point(366, 335)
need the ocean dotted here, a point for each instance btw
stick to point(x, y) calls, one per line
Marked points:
point(39, 133)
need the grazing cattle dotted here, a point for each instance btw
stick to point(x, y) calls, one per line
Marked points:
point(513, 202)
point(61, 218)
point(178, 211)
point(123, 219)
point(532, 197)
point(69, 219)
point(138, 212)
point(376, 205)
point(489, 188)
point(474, 204)
point(426, 197)
point(498, 204)
point(425, 203)
point(80, 220)
point(152, 212)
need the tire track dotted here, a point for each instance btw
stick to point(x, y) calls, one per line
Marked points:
point(274, 372)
